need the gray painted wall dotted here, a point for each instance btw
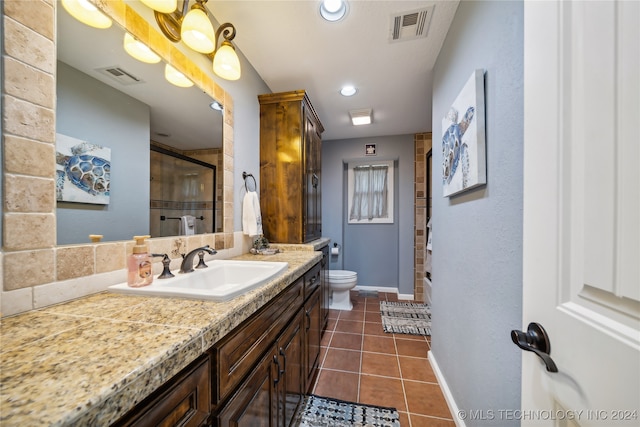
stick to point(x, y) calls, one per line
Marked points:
point(477, 236)
point(93, 111)
point(377, 244)
point(246, 130)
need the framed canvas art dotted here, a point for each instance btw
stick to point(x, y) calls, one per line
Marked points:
point(463, 139)
point(83, 171)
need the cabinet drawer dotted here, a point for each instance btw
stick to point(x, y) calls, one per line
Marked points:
point(183, 401)
point(312, 280)
point(236, 354)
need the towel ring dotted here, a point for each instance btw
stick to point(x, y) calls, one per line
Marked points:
point(248, 175)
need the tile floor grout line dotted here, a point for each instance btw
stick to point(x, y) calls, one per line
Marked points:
point(404, 390)
point(361, 351)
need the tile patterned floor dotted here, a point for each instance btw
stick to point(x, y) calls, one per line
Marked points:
point(359, 362)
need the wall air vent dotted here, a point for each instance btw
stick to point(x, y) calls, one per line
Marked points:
point(410, 25)
point(120, 75)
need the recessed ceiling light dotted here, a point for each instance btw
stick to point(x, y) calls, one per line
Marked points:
point(348, 91)
point(333, 10)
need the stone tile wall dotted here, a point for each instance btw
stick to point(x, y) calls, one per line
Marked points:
point(422, 144)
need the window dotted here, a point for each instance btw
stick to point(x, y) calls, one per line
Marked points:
point(370, 193)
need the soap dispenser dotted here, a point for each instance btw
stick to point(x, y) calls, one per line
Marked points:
point(139, 264)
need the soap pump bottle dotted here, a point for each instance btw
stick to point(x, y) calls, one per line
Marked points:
point(139, 264)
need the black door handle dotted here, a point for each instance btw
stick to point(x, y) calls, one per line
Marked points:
point(537, 341)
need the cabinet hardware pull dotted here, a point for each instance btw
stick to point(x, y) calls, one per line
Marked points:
point(284, 360)
point(277, 379)
point(308, 326)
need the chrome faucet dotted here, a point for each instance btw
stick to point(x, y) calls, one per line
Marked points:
point(187, 260)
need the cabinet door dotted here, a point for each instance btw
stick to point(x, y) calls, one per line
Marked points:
point(253, 405)
point(312, 153)
point(183, 401)
point(291, 376)
point(312, 337)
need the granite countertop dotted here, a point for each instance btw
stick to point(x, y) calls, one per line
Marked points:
point(89, 361)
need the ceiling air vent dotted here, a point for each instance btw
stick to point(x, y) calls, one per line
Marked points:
point(120, 75)
point(410, 25)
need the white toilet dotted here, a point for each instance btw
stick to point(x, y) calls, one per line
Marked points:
point(340, 283)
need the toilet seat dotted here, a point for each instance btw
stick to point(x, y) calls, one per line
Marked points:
point(342, 276)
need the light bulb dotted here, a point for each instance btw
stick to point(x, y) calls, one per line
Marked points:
point(175, 77)
point(333, 10)
point(226, 63)
point(197, 31)
point(86, 13)
point(139, 50)
point(163, 6)
point(332, 5)
point(348, 91)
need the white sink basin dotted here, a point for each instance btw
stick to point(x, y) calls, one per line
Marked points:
point(221, 281)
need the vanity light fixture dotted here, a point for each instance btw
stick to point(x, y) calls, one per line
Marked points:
point(87, 13)
point(194, 28)
point(333, 10)
point(139, 50)
point(348, 90)
point(164, 6)
point(175, 77)
point(360, 117)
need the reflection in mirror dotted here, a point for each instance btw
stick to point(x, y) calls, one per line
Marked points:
point(107, 98)
point(182, 193)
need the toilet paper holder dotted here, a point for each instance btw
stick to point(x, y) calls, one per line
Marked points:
point(335, 250)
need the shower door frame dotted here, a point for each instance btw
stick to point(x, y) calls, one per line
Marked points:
point(199, 163)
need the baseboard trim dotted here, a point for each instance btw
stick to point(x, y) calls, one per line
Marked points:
point(453, 407)
point(384, 289)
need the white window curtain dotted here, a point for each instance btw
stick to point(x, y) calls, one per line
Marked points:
point(371, 193)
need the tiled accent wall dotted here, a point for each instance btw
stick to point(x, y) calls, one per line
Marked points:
point(422, 144)
point(35, 272)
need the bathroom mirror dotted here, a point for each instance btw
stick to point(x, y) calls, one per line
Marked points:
point(107, 98)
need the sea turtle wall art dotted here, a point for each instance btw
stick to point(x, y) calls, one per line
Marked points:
point(83, 171)
point(463, 139)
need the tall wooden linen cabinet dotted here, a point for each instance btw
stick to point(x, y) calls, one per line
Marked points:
point(290, 168)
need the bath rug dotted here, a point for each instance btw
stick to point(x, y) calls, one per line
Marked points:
point(406, 318)
point(318, 411)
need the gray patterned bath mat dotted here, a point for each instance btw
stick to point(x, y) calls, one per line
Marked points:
point(317, 411)
point(406, 318)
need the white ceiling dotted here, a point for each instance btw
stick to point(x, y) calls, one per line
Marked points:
point(292, 47)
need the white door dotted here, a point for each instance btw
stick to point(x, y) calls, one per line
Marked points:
point(582, 212)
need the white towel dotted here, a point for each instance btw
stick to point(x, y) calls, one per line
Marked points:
point(251, 217)
point(187, 225)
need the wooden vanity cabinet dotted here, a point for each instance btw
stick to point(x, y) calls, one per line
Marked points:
point(290, 168)
point(313, 324)
point(235, 355)
point(183, 401)
point(255, 376)
point(270, 395)
point(324, 286)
